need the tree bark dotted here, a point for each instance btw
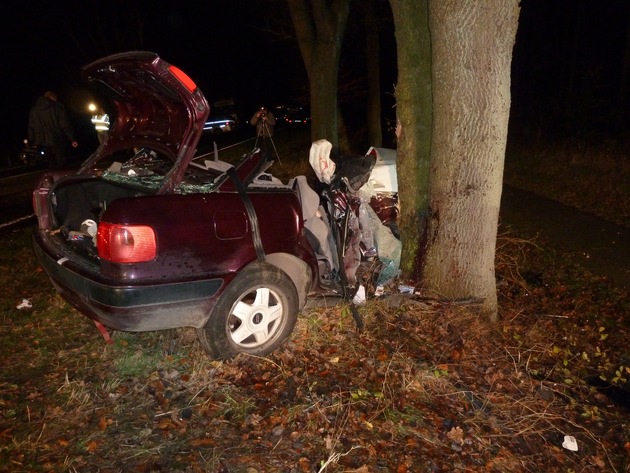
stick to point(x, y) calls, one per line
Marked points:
point(472, 44)
point(375, 133)
point(414, 118)
point(319, 27)
point(624, 85)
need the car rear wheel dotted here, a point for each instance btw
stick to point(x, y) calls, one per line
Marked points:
point(255, 314)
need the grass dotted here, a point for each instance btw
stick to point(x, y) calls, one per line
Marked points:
point(425, 384)
point(292, 146)
point(593, 177)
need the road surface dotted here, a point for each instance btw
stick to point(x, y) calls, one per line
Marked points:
point(603, 247)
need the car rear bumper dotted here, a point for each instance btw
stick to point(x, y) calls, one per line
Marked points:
point(129, 307)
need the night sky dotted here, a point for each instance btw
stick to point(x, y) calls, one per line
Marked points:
point(567, 70)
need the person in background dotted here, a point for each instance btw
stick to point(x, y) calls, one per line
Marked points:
point(100, 120)
point(49, 127)
point(264, 121)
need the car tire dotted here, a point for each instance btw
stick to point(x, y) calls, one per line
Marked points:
point(255, 314)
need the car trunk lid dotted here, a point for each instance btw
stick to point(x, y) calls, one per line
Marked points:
point(155, 105)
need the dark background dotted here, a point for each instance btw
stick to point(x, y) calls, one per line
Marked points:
point(570, 70)
point(568, 75)
point(227, 47)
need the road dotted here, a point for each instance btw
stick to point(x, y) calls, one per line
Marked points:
point(603, 247)
point(15, 196)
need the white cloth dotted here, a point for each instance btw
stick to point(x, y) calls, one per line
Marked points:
point(319, 158)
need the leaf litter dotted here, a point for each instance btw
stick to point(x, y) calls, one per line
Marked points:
point(428, 386)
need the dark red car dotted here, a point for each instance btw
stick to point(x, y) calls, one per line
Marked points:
point(144, 237)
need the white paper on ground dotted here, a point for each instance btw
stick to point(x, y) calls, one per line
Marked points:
point(570, 443)
point(359, 297)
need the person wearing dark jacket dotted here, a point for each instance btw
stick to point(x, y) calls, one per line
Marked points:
point(264, 121)
point(50, 128)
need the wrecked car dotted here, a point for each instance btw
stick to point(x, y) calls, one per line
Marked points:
point(146, 236)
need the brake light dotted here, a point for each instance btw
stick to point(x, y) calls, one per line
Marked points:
point(126, 243)
point(183, 78)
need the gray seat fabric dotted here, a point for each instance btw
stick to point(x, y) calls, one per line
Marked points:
point(308, 197)
point(318, 228)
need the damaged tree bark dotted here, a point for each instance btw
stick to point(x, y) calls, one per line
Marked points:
point(472, 45)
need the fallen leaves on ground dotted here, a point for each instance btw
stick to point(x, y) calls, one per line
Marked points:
point(427, 386)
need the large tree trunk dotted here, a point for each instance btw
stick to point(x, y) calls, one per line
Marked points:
point(375, 133)
point(413, 113)
point(472, 43)
point(324, 106)
point(624, 85)
point(319, 27)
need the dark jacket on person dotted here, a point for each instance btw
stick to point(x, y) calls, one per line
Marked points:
point(48, 124)
point(264, 126)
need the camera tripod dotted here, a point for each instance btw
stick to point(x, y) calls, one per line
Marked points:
point(264, 133)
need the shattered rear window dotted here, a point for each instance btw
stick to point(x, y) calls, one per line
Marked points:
point(147, 169)
point(149, 182)
point(197, 180)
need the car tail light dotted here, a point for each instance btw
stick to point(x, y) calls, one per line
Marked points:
point(183, 78)
point(126, 243)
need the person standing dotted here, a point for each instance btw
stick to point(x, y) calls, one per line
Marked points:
point(49, 127)
point(264, 121)
point(100, 120)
